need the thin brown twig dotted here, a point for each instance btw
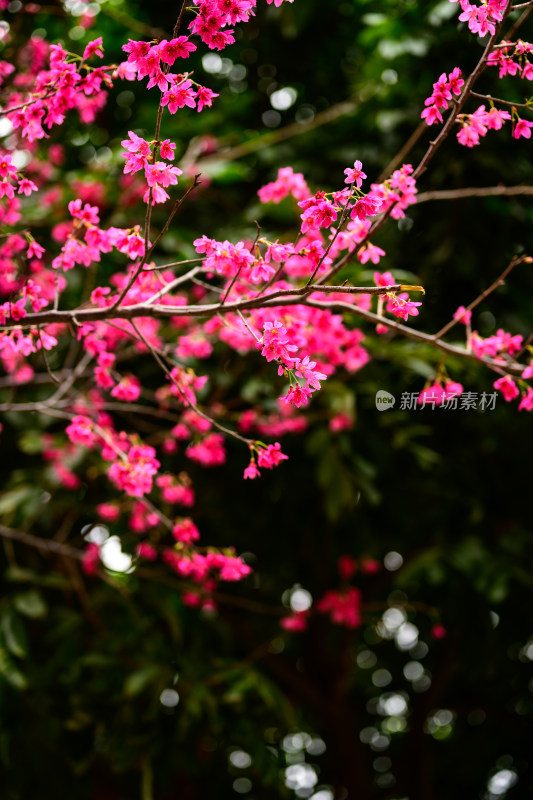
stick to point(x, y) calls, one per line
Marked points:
point(485, 293)
point(46, 545)
point(45, 359)
point(4, 111)
point(178, 21)
point(520, 21)
point(147, 252)
point(473, 191)
point(248, 442)
point(173, 264)
point(175, 208)
point(492, 99)
point(400, 156)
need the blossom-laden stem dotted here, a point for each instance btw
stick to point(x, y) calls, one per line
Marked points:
point(4, 111)
point(342, 221)
point(148, 218)
point(146, 309)
point(456, 110)
point(434, 145)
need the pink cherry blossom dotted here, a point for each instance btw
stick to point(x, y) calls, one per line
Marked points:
point(507, 387)
point(355, 174)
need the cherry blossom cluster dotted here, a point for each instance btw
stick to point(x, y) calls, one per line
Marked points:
point(69, 83)
point(133, 465)
point(154, 61)
point(276, 346)
point(396, 194)
point(476, 125)
point(439, 392)
point(320, 212)
point(268, 456)
point(10, 179)
point(84, 241)
point(482, 18)
point(17, 345)
point(501, 347)
point(159, 175)
point(511, 58)
point(133, 469)
point(511, 389)
point(443, 89)
point(343, 606)
point(398, 304)
point(39, 288)
point(287, 183)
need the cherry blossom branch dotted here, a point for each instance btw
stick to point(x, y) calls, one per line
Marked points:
point(42, 406)
point(81, 315)
point(433, 146)
point(498, 282)
point(45, 359)
point(469, 83)
point(178, 21)
point(55, 400)
point(173, 284)
point(473, 191)
point(520, 21)
point(177, 205)
point(173, 264)
point(136, 408)
point(496, 365)
point(65, 550)
point(148, 252)
point(232, 284)
point(4, 111)
point(490, 98)
point(46, 545)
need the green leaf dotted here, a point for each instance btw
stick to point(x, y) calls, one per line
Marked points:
point(18, 574)
point(10, 501)
point(140, 679)
point(31, 604)
point(14, 634)
point(10, 672)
